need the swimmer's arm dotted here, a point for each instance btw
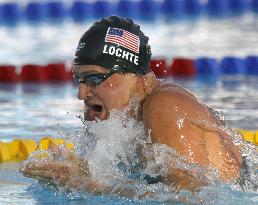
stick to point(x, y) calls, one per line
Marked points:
point(72, 173)
point(181, 179)
point(74, 177)
point(167, 116)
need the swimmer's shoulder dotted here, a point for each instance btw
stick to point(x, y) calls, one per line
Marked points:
point(168, 101)
point(168, 94)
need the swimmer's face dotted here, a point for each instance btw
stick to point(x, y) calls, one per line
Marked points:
point(115, 92)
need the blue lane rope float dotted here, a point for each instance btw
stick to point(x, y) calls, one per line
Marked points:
point(207, 66)
point(20, 149)
point(79, 11)
point(232, 65)
point(102, 8)
point(149, 9)
point(55, 11)
point(254, 6)
point(35, 11)
point(172, 9)
point(251, 65)
point(217, 8)
point(10, 13)
point(127, 9)
point(238, 6)
point(192, 7)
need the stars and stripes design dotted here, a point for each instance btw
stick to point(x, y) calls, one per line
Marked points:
point(123, 38)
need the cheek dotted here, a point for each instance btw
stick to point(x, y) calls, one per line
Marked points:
point(115, 95)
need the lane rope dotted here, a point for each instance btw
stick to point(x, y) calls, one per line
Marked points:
point(20, 149)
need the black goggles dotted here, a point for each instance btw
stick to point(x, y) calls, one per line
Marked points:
point(96, 79)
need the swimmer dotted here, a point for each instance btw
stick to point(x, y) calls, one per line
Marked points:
point(111, 65)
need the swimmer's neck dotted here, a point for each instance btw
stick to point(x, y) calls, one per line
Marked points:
point(149, 82)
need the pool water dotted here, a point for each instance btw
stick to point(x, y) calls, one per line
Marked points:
point(37, 110)
point(44, 43)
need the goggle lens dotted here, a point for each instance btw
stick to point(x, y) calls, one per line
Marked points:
point(94, 80)
point(91, 80)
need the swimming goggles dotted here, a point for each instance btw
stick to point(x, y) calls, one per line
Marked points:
point(96, 79)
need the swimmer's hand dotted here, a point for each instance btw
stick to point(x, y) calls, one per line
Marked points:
point(70, 172)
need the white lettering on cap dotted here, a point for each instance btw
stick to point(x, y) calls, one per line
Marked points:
point(120, 53)
point(80, 46)
point(125, 55)
point(105, 49)
point(136, 59)
point(112, 50)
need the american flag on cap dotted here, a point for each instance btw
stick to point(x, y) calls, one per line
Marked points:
point(123, 38)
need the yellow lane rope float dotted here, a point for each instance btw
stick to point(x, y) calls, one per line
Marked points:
point(20, 149)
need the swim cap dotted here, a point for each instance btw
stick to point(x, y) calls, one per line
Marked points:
point(113, 42)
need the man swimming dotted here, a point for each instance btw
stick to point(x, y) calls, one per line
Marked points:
point(111, 66)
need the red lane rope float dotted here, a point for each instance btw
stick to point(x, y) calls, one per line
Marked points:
point(70, 74)
point(8, 73)
point(33, 73)
point(45, 73)
point(160, 68)
point(36, 73)
point(183, 67)
point(56, 72)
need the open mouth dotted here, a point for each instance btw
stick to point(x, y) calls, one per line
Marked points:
point(92, 111)
point(96, 108)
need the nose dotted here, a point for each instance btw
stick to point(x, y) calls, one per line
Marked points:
point(84, 91)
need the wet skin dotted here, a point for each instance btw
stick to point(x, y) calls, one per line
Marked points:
point(172, 114)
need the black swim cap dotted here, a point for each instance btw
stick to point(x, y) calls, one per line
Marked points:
point(113, 42)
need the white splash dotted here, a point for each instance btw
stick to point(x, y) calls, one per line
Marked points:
point(120, 154)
